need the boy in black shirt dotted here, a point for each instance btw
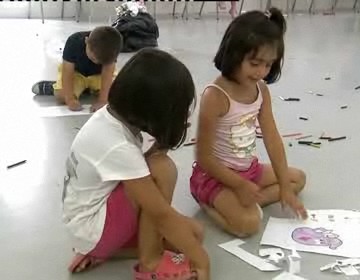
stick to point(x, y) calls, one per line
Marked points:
point(88, 63)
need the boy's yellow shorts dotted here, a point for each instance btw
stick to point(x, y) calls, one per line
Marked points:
point(81, 82)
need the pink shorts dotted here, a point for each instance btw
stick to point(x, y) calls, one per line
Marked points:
point(204, 188)
point(121, 226)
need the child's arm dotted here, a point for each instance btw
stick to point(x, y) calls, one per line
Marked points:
point(173, 226)
point(107, 74)
point(214, 105)
point(275, 148)
point(68, 72)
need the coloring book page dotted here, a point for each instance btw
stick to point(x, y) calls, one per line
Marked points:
point(336, 235)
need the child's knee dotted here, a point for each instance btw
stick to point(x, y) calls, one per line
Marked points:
point(299, 180)
point(247, 224)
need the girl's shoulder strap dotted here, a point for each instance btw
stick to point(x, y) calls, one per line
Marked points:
point(219, 88)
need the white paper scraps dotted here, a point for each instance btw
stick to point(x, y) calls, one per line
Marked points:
point(347, 266)
point(61, 111)
point(288, 276)
point(349, 270)
point(233, 248)
point(322, 237)
point(273, 254)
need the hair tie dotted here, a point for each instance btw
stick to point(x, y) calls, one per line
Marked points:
point(267, 14)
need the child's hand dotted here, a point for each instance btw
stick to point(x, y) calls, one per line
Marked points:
point(249, 194)
point(73, 104)
point(288, 198)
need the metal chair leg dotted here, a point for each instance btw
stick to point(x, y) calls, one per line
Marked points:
point(268, 4)
point(355, 4)
point(201, 8)
point(334, 5)
point(174, 9)
point(293, 6)
point(287, 7)
point(29, 10)
point(78, 11)
point(241, 6)
point(154, 9)
point(311, 6)
point(185, 10)
point(217, 10)
point(91, 12)
point(62, 9)
point(42, 11)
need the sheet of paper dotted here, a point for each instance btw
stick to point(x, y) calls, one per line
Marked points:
point(61, 111)
point(233, 247)
point(335, 215)
point(288, 276)
point(322, 237)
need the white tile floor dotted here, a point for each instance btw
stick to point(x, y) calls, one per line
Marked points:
point(33, 241)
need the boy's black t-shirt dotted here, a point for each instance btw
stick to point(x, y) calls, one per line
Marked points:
point(75, 52)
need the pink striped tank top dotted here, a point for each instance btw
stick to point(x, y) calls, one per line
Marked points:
point(235, 140)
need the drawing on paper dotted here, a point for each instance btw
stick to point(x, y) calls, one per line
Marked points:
point(317, 237)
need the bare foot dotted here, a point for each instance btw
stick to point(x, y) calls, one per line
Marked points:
point(82, 262)
point(233, 13)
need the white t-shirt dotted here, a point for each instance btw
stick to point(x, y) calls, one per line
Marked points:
point(103, 153)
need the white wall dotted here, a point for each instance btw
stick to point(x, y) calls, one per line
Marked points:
point(103, 9)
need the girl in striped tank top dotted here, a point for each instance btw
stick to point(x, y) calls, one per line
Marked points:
point(228, 181)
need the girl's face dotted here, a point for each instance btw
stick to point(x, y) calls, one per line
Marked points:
point(256, 66)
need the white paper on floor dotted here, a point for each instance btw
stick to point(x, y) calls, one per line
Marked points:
point(335, 236)
point(233, 247)
point(347, 266)
point(61, 111)
point(288, 276)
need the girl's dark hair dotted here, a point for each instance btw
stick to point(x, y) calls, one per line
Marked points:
point(247, 33)
point(153, 92)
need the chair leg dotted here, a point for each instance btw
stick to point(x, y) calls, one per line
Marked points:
point(241, 6)
point(78, 11)
point(42, 11)
point(201, 8)
point(62, 9)
point(293, 6)
point(287, 7)
point(355, 4)
point(174, 9)
point(185, 10)
point(29, 10)
point(268, 4)
point(91, 11)
point(217, 11)
point(334, 5)
point(311, 6)
point(154, 3)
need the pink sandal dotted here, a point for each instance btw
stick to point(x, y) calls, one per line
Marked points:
point(172, 266)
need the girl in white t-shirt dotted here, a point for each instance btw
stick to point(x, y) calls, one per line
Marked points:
point(115, 196)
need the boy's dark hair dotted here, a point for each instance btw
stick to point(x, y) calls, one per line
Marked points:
point(106, 43)
point(247, 33)
point(153, 92)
